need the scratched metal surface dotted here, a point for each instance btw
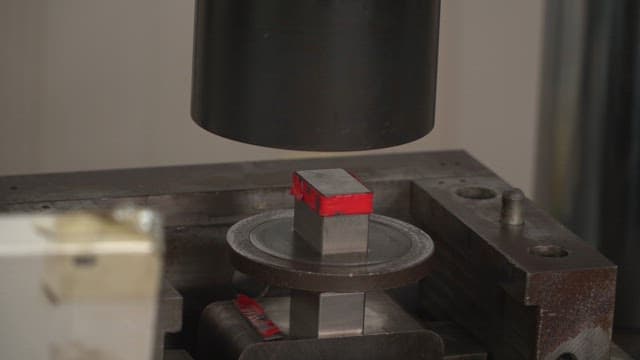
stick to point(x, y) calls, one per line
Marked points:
point(490, 278)
point(487, 280)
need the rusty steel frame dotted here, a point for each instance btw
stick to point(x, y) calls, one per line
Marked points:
point(534, 291)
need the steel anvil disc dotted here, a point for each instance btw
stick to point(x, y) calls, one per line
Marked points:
point(266, 247)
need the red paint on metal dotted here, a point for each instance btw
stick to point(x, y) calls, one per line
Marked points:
point(254, 312)
point(344, 204)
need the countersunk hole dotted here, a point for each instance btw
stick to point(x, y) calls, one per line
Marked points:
point(550, 251)
point(567, 356)
point(13, 187)
point(476, 193)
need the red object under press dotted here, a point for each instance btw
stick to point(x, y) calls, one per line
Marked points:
point(348, 204)
point(255, 314)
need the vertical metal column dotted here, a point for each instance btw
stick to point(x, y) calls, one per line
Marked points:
point(589, 140)
point(316, 75)
point(330, 234)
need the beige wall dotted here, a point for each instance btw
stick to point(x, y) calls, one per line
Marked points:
point(94, 84)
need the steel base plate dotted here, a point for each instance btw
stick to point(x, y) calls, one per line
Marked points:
point(266, 247)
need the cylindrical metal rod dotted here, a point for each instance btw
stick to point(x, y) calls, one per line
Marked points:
point(316, 75)
point(513, 207)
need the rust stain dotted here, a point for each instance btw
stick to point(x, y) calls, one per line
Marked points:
point(573, 305)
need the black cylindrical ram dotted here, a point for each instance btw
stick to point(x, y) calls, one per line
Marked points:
point(325, 75)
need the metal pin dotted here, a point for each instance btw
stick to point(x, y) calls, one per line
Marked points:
point(512, 207)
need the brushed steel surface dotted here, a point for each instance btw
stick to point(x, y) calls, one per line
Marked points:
point(323, 315)
point(331, 235)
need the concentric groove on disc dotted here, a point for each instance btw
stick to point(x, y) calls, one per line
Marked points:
point(265, 246)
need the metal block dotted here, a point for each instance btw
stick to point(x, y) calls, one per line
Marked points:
point(324, 315)
point(533, 291)
point(80, 286)
point(330, 235)
point(328, 314)
point(226, 335)
point(335, 233)
point(333, 182)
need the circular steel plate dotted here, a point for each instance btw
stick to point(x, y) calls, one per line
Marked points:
point(266, 247)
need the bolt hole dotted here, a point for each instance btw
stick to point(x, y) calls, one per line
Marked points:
point(457, 163)
point(549, 251)
point(46, 207)
point(440, 182)
point(567, 356)
point(463, 181)
point(13, 188)
point(476, 193)
point(443, 164)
